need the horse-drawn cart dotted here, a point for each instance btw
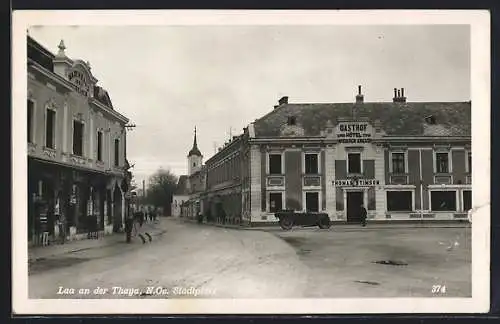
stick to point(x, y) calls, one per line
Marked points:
point(291, 218)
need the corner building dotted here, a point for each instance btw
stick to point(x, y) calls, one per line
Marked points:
point(76, 150)
point(401, 160)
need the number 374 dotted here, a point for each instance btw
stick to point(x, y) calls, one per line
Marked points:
point(438, 289)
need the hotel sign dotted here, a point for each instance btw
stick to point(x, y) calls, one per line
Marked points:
point(80, 80)
point(356, 183)
point(354, 132)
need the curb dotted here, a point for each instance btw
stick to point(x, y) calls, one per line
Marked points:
point(33, 260)
point(339, 226)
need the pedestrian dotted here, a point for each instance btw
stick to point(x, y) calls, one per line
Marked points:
point(151, 214)
point(129, 224)
point(362, 214)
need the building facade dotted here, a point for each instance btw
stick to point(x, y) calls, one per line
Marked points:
point(400, 160)
point(77, 168)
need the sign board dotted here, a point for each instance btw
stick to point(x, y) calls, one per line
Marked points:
point(354, 132)
point(81, 82)
point(356, 183)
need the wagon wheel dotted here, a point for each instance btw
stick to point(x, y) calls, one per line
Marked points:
point(286, 224)
point(324, 223)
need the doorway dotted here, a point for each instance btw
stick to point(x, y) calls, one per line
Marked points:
point(354, 202)
point(312, 201)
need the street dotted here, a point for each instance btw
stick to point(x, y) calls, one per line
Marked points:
point(191, 260)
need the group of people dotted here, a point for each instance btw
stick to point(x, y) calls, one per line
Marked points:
point(137, 217)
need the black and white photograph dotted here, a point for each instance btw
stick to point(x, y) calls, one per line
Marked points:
point(251, 162)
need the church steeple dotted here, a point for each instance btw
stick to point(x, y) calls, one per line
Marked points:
point(194, 150)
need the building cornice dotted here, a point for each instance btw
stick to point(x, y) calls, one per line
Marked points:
point(55, 77)
point(108, 110)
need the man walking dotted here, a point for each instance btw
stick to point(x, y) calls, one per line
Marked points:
point(363, 215)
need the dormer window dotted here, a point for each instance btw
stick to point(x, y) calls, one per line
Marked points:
point(431, 120)
point(292, 121)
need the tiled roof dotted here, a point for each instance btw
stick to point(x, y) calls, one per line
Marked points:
point(182, 188)
point(397, 119)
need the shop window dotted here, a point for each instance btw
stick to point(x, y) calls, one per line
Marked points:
point(50, 124)
point(398, 163)
point(275, 164)
point(442, 162)
point(354, 163)
point(311, 163)
point(443, 201)
point(117, 152)
point(275, 202)
point(77, 138)
point(31, 111)
point(399, 201)
point(99, 146)
point(467, 198)
point(469, 162)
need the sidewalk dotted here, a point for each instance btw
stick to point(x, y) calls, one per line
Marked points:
point(42, 252)
point(343, 225)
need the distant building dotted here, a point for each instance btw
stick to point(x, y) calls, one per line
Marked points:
point(180, 196)
point(187, 199)
point(400, 160)
point(77, 166)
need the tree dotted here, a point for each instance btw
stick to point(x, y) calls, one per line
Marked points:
point(161, 188)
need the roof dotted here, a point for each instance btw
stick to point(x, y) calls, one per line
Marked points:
point(102, 96)
point(397, 119)
point(194, 150)
point(182, 188)
point(40, 54)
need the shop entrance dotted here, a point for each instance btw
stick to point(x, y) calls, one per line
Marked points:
point(354, 202)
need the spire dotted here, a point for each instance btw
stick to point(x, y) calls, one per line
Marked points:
point(194, 150)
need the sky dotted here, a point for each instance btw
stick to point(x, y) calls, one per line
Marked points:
point(169, 79)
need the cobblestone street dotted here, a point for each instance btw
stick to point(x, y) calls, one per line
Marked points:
point(214, 262)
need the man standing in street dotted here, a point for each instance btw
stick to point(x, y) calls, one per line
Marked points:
point(363, 215)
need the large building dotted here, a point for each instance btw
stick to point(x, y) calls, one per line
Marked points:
point(401, 160)
point(77, 168)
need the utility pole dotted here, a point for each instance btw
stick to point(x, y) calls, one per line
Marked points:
point(144, 190)
point(215, 148)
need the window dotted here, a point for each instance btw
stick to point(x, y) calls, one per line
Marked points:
point(117, 153)
point(467, 197)
point(442, 165)
point(398, 163)
point(292, 121)
point(354, 163)
point(469, 162)
point(50, 124)
point(99, 146)
point(443, 201)
point(399, 201)
point(311, 163)
point(30, 120)
point(275, 202)
point(275, 164)
point(77, 138)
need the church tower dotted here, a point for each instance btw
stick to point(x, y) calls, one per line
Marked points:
point(195, 158)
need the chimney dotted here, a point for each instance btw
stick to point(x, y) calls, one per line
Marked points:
point(359, 96)
point(403, 98)
point(283, 100)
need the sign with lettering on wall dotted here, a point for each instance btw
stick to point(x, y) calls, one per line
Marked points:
point(81, 82)
point(356, 183)
point(354, 132)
